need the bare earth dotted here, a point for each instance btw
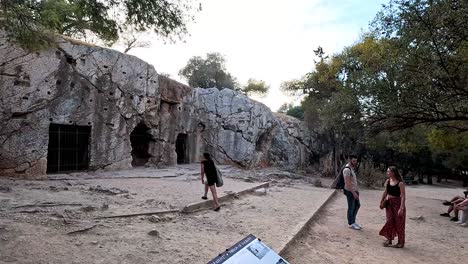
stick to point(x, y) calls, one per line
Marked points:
point(35, 216)
point(431, 239)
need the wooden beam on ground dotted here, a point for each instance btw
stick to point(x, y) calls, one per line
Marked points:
point(139, 214)
point(47, 204)
point(84, 229)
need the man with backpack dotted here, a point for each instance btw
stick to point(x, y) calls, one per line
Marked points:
point(347, 181)
point(351, 192)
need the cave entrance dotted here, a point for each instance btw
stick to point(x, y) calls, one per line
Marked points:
point(68, 148)
point(140, 139)
point(182, 149)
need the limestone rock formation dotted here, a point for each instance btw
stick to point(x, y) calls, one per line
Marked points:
point(74, 85)
point(237, 129)
point(78, 106)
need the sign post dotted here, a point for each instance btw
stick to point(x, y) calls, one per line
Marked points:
point(249, 250)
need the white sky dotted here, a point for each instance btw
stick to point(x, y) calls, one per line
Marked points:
point(270, 40)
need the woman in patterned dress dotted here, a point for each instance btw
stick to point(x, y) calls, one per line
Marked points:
point(393, 200)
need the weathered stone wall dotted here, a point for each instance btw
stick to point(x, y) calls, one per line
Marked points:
point(72, 84)
point(239, 130)
point(111, 92)
point(172, 120)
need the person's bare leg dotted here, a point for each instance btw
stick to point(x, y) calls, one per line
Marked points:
point(206, 190)
point(455, 218)
point(215, 196)
point(450, 208)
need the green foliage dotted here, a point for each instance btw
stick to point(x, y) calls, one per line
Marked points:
point(424, 78)
point(296, 111)
point(33, 23)
point(329, 109)
point(255, 87)
point(449, 147)
point(284, 108)
point(208, 73)
point(399, 95)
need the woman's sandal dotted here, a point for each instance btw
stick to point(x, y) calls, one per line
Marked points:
point(217, 209)
point(204, 198)
point(398, 246)
point(387, 243)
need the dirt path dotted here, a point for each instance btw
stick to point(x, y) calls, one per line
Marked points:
point(33, 232)
point(432, 240)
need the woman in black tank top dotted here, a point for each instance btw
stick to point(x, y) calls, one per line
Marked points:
point(393, 190)
point(393, 200)
point(208, 169)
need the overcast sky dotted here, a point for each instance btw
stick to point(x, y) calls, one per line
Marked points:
point(270, 40)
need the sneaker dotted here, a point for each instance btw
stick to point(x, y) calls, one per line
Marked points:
point(447, 203)
point(464, 224)
point(458, 222)
point(454, 219)
point(445, 214)
point(354, 227)
point(358, 225)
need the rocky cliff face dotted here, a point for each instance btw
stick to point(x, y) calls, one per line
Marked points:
point(133, 115)
point(239, 130)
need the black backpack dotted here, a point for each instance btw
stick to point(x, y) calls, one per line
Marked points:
point(339, 183)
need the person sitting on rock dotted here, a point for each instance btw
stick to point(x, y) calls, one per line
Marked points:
point(462, 207)
point(451, 204)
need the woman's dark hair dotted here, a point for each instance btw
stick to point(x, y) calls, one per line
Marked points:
point(353, 156)
point(395, 172)
point(207, 156)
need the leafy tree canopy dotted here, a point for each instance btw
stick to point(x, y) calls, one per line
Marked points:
point(209, 72)
point(401, 93)
point(255, 87)
point(290, 110)
point(416, 67)
point(34, 23)
point(296, 111)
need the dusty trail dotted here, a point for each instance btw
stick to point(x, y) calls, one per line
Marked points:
point(433, 239)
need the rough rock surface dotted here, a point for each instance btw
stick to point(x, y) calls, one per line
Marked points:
point(113, 93)
point(237, 129)
point(77, 85)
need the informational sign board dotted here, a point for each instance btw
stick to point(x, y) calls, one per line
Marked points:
point(249, 250)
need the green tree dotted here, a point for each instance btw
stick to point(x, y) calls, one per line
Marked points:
point(284, 108)
point(399, 95)
point(425, 74)
point(331, 112)
point(34, 23)
point(296, 111)
point(208, 72)
point(255, 87)
point(450, 147)
point(290, 110)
